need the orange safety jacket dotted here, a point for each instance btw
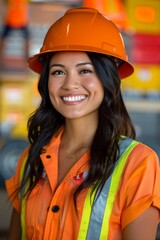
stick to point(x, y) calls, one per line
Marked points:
point(17, 13)
point(96, 214)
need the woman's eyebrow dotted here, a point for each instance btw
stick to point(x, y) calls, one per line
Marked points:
point(83, 63)
point(57, 65)
point(61, 65)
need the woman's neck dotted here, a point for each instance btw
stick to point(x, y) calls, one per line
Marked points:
point(79, 133)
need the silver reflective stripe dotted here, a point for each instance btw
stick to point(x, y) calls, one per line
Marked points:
point(97, 214)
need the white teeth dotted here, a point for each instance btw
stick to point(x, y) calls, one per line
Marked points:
point(73, 98)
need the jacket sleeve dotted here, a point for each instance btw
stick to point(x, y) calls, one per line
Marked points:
point(140, 186)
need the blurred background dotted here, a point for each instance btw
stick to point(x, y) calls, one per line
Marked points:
point(139, 23)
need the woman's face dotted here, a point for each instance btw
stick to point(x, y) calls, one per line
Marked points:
point(74, 88)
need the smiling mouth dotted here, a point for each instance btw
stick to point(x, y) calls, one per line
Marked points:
point(73, 98)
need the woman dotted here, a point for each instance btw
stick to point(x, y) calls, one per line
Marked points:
point(83, 176)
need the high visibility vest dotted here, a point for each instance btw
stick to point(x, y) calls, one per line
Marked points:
point(95, 217)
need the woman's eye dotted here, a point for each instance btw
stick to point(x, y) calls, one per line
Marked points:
point(86, 71)
point(57, 72)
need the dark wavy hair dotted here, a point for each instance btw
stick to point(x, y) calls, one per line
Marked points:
point(114, 121)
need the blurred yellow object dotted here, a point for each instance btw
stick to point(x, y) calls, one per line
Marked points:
point(19, 129)
point(146, 78)
point(144, 15)
point(19, 98)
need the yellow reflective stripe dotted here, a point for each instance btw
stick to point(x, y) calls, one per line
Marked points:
point(86, 215)
point(23, 199)
point(23, 207)
point(22, 171)
point(113, 190)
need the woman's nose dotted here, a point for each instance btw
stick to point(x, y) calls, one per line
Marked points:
point(70, 82)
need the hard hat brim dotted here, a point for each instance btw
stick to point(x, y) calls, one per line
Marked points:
point(34, 63)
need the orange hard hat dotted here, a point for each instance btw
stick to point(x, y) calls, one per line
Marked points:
point(84, 29)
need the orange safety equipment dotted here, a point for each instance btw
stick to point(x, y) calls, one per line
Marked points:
point(84, 29)
point(17, 13)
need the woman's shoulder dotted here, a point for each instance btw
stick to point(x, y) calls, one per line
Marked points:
point(143, 151)
point(142, 159)
point(140, 149)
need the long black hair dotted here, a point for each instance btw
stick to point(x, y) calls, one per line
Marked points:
point(113, 122)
